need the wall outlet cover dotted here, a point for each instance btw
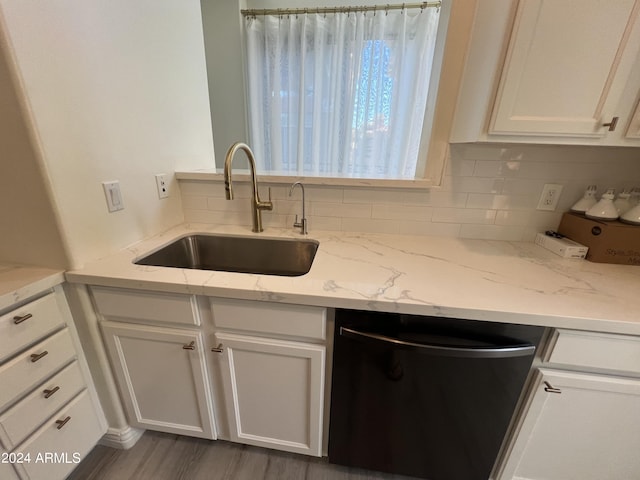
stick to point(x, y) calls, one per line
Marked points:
point(162, 184)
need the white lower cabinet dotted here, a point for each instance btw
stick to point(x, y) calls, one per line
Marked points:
point(62, 442)
point(273, 392)
point(581, 426)
point(49, 413)
point(260, 374)
point(162, 377)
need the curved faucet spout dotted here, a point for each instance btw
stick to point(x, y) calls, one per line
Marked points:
point(302, 224)
point(256, 205)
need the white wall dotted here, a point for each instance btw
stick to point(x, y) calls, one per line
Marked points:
point(489, 191)
point(30, 233)
point(116, 90)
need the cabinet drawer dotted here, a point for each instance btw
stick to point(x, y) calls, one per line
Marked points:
point(269, 317)
point(7, 472)
point(27, 370)
point(149, 306)
point(32, 411)
point(596, 350)
point(28, 324)
point(62, 445)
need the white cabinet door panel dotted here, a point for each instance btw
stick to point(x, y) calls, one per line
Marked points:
point(567, 66)
point(164, 385)
point(589, 431)
point(274, 392)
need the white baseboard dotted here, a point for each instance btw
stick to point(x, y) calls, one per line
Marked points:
point(123, 439)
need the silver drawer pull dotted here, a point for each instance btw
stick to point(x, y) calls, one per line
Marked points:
point(217, 349)
point(62, 423)
point(612, 124)
point(191, 346)
point(48, 392)
point(37, 356)
point(18, 319)
point(551, 389)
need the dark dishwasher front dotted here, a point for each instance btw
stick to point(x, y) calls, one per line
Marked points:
point(425, 396)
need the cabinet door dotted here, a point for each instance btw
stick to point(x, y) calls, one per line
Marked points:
point(566, 68)
point(588, 430)
point(162, 377)
point(273, 392)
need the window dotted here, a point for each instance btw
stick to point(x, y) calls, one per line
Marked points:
point(340, 94)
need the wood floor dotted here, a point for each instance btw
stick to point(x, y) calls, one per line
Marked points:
point(161, 456)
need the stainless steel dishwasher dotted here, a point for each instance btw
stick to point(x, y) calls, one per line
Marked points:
point(425, 396)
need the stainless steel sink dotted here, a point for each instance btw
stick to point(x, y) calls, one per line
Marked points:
point(228, 253)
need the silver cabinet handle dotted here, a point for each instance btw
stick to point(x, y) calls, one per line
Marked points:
point(48, 392)
point(612, 124)
point(37, 356)
point(62, 423)
point(550, 388)
point(191, 346)
point(18, 319)
point(217, 349)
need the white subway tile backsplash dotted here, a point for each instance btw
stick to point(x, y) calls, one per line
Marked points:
point(344, 210)
point(196, 187)
point(429, 228)
point(194, 202)
point(373, 196)
point(503, 202)
point(402, 212)
point(496, 168)
point(322, 223)
point(463, 215)
point(476, 184)
point(370, 225)
point(489, 191)
point(512, 217)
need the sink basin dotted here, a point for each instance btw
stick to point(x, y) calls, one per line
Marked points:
point(228, 253)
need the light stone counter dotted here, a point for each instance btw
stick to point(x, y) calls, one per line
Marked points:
point(19, 282)
point(451, 277)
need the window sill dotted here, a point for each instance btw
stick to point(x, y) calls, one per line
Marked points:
point(214, 175)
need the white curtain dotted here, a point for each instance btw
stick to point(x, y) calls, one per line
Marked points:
point(339, 94)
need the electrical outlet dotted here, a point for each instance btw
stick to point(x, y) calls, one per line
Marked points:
point(163, 185)
point(550, 196)
point(113, 195)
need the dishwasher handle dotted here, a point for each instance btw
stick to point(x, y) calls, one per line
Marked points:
point(507, 351)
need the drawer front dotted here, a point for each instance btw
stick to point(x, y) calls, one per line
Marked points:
point(28, 324)
point(116, 303)
point(22, 373)
point(61, 449)
point(269, 317)
point(7, 472)
point(596, 350)
point(31, 412)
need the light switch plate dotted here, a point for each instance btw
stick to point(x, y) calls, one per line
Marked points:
point(113, 195)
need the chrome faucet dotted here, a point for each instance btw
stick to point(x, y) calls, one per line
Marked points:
point(256, 205)
point(302, 224)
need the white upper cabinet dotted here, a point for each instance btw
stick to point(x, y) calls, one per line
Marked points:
point(553, 71)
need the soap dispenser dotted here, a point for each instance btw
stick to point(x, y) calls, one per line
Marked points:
point(587, 201)
point(604, 209)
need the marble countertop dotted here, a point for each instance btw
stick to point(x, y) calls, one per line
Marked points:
point(19, 282)
point(450, 277)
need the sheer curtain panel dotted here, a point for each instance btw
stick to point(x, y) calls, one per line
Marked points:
point(339, 95)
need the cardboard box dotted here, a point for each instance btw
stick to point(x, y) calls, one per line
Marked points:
point(608, 242)
point(562, 246)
